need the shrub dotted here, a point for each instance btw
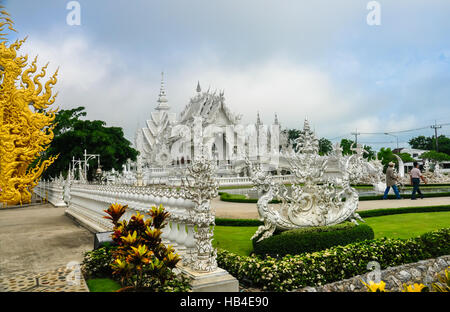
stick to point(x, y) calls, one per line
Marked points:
point(97, 263)
point(141, 260)
point(436, 243)
point(333, 264)
point(312, 239)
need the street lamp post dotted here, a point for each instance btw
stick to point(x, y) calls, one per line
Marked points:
point(88, 157)
point(396, 137)
point(85, 163)
point(76, 162)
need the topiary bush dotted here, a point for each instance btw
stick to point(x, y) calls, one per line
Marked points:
point(312, 239)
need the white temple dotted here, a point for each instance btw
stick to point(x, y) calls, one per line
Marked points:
point(225, 137)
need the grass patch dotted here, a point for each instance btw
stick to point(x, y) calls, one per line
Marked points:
point(236, 239)
point(102, 285)
point(409, 224)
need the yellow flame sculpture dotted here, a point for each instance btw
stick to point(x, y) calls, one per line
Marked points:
point(26, 127)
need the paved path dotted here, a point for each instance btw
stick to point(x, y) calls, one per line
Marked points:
point(248, 211)
point(36, 245)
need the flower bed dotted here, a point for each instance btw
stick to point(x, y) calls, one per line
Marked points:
point(333, 264)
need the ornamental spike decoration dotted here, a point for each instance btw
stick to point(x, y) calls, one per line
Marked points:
point(200, 187)
point(26, 126)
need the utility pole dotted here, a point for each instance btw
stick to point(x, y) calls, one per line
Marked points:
point(435, 127)
point(356, 136)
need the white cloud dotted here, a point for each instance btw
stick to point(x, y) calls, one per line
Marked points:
point(100, 79)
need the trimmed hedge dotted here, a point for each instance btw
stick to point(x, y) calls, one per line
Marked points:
point(333, 264)
point(393, 211)
point(392, 196)
point(238, 222)
point(237, 198)
point(312, 239)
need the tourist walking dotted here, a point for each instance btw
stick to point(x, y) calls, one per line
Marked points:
point(416, 176)
point(391, 181)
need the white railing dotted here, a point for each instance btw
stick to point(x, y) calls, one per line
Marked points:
point(51, 192)
point(189, 223)
point(230, 181)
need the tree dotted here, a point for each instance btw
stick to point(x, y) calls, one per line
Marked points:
point(429, 143)
point(433, 155)
point(292, 135)
point(370, 152)
point(325, 146)
point(73, 136)
point(386, 156)
point(26, 123)
point(347, 145)
point(421, 142)
point(444, 144)
point(406, 157)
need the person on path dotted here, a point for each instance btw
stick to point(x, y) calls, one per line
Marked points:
point(391, 181)
point(416, 176)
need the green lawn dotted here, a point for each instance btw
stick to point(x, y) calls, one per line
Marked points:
point(102, 285)
point(409, 224)
point(237, 238)
point(234, 238)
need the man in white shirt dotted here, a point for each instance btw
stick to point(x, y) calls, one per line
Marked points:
point(416, 176)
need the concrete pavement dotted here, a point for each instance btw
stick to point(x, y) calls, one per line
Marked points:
point(36, 245)
point(249, 211)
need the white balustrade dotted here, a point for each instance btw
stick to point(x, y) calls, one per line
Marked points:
point(51, 191)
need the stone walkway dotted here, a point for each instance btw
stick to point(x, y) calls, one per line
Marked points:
point(60, 280)
point(39, 246)
point(248, 211)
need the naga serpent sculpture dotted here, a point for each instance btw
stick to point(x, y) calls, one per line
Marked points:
point(313, 200)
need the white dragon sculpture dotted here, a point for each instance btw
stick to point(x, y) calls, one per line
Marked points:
point(313, 200)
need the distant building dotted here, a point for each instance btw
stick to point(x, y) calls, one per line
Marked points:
point(416, 154)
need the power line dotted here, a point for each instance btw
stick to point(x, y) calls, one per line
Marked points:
point(356, 136)
point(408, 130)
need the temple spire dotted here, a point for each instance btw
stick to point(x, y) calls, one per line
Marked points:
point(162, 100)
point(258, 119)
point(198, 87)
point(276, 119)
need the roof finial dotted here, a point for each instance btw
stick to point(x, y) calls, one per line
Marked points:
point(198, 87)
point(276, 119)
point(162, 100)
point(258, 119)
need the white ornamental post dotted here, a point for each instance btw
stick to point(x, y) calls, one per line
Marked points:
point(200, 190)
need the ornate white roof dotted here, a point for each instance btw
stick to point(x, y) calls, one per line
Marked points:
point(207, 105)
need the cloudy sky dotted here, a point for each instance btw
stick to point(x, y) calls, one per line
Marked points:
point(318, 59)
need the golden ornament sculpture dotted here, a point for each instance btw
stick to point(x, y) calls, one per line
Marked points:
point(26, 126)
